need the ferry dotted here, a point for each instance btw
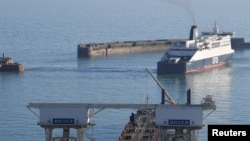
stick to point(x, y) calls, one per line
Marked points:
point(198, 53)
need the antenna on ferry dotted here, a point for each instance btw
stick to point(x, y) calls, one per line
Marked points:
point(216, 29)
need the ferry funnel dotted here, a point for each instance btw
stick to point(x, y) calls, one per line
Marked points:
point(193, 32)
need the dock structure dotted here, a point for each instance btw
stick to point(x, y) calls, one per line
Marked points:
point(72, 116)
point(152, 121)
point(141, 46)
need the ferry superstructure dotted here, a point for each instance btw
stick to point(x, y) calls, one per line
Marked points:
point(198, 53)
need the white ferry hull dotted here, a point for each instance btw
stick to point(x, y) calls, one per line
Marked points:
point(165, 67)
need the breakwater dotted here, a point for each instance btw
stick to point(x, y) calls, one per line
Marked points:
point(126, 47)
point(143, 46)
point(239, 43)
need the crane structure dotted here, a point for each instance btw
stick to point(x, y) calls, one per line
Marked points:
point(164, 92)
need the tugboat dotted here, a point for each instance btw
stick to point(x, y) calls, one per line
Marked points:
point(7, 65)
point(199, 53)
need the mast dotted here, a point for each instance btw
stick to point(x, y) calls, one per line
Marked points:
point(216, 29)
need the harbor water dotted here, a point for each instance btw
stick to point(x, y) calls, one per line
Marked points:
point(43, 35)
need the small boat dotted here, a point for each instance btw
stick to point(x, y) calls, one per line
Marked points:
point(8, 65)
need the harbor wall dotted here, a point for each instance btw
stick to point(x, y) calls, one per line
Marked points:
point(239, 43)
point(143, 46)
point(127, 47)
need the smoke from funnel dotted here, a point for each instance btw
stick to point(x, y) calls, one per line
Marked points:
point(185, 5)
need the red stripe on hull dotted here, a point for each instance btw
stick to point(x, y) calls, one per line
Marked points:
point(206, 68)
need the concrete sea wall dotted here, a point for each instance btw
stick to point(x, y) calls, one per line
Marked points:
point(127, 47)
point(239, 43)
point(143, 46)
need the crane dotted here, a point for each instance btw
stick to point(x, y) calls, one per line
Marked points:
point(164, 92)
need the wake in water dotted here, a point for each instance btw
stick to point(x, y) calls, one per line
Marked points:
point(111, 70)
point(51, 69)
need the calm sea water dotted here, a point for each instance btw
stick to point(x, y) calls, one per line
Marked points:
point(43, 35)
